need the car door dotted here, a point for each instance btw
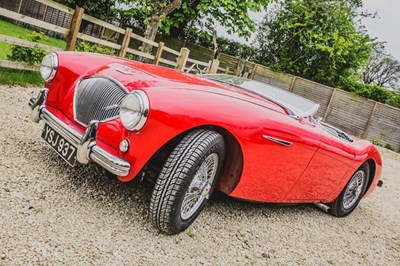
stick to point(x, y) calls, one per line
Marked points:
point(327, 168)
point(275, 158)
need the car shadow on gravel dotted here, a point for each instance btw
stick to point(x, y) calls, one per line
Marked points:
point(232, 205)
point(92, 185)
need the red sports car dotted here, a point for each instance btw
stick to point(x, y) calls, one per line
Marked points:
point(191, 134)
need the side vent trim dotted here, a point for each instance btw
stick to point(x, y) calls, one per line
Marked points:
point(279, 141)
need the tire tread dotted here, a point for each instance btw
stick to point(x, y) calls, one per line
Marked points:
point(174, 173)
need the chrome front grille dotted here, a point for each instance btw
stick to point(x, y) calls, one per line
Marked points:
point(97, 98)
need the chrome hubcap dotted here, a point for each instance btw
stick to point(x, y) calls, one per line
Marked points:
point(353, 190)
point(200, 187)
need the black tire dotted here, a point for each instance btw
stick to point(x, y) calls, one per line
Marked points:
point(196, 149)
point(352, 193)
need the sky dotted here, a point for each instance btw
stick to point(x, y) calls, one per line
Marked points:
point(386, 27)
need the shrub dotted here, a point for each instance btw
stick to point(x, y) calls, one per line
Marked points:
point(389, 147)
point(29, 55)
point(394, 101)
point(93, 48)
point(377, 143)
point(373, 92)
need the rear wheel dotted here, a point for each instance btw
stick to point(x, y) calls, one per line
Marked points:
point(186, 181)
point(352, 193)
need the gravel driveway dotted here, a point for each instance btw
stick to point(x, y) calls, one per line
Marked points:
point(51, 214)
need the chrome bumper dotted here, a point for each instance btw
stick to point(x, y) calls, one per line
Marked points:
point(87, 149)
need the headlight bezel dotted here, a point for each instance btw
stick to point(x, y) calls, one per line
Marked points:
point(50, 63)
point(143, 113)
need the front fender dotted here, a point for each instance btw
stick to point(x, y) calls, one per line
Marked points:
point(175, 111)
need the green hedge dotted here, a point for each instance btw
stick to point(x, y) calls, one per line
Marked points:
point(377, 93)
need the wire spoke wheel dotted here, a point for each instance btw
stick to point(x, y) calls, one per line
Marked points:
point(199, 188)
point(352, 193)
point(353, 190)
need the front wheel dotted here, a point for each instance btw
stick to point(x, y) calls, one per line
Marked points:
point(352, 193)
point(186, 181)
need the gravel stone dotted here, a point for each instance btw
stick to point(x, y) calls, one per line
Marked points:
point(52, 214)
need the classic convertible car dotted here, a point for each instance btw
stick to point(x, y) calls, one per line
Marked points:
point(191, 134)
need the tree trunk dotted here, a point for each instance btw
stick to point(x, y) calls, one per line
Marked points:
point(152, 28)
point(150, 33)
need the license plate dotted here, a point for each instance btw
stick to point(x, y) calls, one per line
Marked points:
point(63, 148)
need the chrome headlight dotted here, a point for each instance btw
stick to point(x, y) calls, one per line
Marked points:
point(134, 110)
point(49, 67)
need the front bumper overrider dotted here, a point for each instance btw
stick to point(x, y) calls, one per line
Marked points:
point(87, 149)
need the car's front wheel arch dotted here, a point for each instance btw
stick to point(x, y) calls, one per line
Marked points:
point(233, 162)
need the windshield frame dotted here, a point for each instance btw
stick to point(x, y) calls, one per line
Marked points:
point(293, 113)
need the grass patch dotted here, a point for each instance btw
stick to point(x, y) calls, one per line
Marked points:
point(10, 76)
point(9, 29)
point(5, 49)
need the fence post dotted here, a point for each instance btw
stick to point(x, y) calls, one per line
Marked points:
point(369, 120)
point(291, 88)
point(74, 28)
point(329, 105)
point(239, 67)
point(254, 71)
point(45, 12)
point(159, 53)
point(182, 58)
point(227, 70)
point(214, 67)
point(125, 42)
point(19, 7)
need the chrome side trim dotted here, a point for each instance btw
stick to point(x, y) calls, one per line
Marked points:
point(86, 144)
point(279, 141)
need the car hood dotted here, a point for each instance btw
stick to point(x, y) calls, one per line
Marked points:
point(135, 75)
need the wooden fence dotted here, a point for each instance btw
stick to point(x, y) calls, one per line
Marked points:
point(43, 10)
point(356, 115)
point(361, 117)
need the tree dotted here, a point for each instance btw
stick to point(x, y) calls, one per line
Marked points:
point(149, 12)
point(317, 40)
point(102, 9)
point(153, 12)
point(231, 14)
point(382, 70)
point(225, 45)
point(196, 14)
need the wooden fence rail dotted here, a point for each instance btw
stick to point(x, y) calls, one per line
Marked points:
point(74, 32)
point(354, 114)
point(25, 43)
point(358, 116)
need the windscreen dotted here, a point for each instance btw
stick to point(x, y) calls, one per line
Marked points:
point(296, 105)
